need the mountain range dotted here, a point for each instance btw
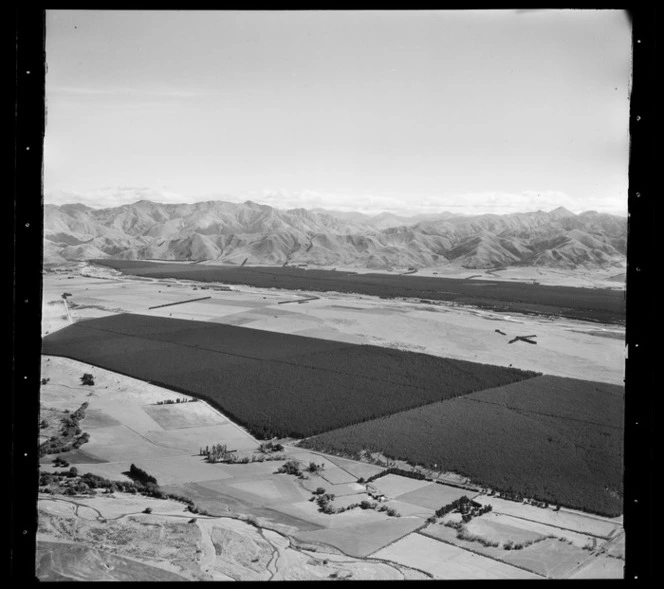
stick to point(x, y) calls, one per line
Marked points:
point(230, 233)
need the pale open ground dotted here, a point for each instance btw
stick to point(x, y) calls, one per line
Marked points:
point(445, 561)
point(206, 549)
point(565, 347)
point(565, 519)
point(127, 426)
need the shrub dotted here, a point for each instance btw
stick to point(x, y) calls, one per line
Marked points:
point(290, 467)
point(87, 379)
point(139, 475)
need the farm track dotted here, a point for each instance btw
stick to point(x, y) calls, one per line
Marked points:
point(184, 451)
point(586, 533)
point(613, 539)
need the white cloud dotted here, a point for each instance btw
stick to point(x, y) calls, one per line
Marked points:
point(463, 203)
point(109, 197)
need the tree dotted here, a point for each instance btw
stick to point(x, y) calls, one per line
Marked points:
point(87, 379)
point(313, 467)
point(290, 467)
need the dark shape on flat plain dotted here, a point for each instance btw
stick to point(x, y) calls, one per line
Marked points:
point(274, 384)
point(523, 338)
point(590, 304)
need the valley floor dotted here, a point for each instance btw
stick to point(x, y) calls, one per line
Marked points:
point(262, 525)
point(565, 347)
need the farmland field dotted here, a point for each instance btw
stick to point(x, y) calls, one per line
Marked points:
point(446, 561)
point(556, 439)
point(590, 304)
point(134, 421)
point(601, 567)
point(274, 384)
point(434, 496)
point(565, 347)
point(550, 557)
point(374, 535)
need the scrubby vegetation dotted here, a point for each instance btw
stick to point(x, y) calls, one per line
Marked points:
point(71, 483)
point(177, 400)
point(290, 467)
point(220, 453)
point(325, 502)
point(468, 510)
point(411, 474)
point(269, 447)
point(88, 379)
point(466, 507)
point(70, 436)
point(140, 476)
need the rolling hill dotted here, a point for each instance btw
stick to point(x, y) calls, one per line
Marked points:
point(229, 233)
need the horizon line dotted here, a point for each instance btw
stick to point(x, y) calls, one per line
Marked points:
point(334, 210)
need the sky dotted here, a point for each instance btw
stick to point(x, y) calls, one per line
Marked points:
point(401, 111)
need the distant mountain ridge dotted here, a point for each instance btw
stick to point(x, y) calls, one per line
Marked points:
point(227, 232)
